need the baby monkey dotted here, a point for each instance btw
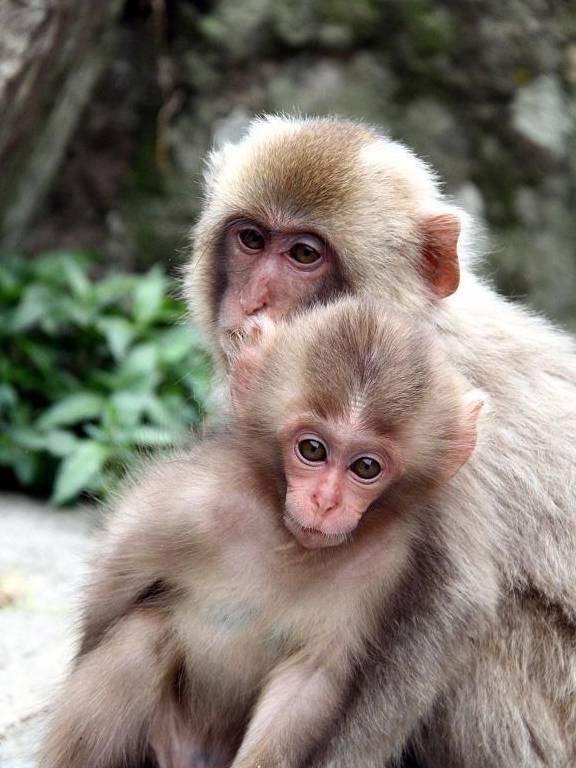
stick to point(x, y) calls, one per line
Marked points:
point(242, 584)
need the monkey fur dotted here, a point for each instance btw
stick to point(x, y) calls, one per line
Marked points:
point(381, 213)
point(212, 637)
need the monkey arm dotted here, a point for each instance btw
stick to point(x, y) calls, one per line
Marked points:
point(300, 701)
point(423, 642)
point(151, 532)
point(394, 694)
point(123, 581)
point(110, 698)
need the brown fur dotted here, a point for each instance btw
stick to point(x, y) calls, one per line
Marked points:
point(377, 222)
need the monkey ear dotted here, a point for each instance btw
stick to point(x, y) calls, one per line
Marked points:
point(474, 402)
point(440, 233)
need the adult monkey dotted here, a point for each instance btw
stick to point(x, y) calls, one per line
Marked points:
point(302, 209)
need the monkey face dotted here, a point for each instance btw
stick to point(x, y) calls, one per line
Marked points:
point(339, 403)
point(334, 473)
point(303, 210)
point(270, 273)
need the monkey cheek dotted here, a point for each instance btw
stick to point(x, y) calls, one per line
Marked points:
point(230, 317)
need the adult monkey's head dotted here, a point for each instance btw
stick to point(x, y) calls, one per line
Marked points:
point(302, 209)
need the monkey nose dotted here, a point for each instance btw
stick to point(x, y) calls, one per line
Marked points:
point(253, 304)
point(324, 504)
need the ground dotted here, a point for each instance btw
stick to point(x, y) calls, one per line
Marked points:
point(43, 558)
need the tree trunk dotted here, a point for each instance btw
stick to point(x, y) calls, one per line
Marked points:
point(52, 53)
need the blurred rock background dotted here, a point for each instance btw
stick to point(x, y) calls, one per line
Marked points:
point(130, 95)
point(106, 110)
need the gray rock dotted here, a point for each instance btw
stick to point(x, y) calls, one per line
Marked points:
point(542, 114)
point(470, 198)
point(331, 87)
point(43, 556)
point(232, 127)
point(485, 91)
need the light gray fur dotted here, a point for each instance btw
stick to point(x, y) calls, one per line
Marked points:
point(204, 621)
point(512, 698)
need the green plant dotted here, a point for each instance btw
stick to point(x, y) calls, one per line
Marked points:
point(92, 372)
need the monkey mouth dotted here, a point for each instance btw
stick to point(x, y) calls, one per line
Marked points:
point(312, 538)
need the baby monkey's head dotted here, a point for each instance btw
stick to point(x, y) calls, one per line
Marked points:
point(343, 402)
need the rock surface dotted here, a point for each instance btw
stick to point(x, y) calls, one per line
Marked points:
point(43, 556)
point(52, 53)
point(485, 90)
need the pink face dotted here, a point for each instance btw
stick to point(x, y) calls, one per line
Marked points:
point(333, 476)
point(270, 273)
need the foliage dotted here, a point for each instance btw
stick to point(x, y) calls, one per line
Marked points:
point(92, 372)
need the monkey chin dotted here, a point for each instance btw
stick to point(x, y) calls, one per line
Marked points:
point(310, 538)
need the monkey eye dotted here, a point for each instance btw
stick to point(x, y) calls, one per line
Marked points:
point(302, 253)
point(251, 239)
point(311, 450)
point(366, 468)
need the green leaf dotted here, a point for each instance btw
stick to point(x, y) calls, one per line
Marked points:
point(203, 382)
point(160, 413)
point(148, 296)
point(10, 280)
point(111, 289)
point(54, 266)
point(59, 442)
point(41, 356)
point(68, 311)
point(119, 334)
point(157, 437)
point(140, 370)
point(29, 439)
point(76, 278)
point(175, 345)
point(59, 330)
point(8, 396)
point(129, 406)
point(78, 470)
point(73, 409)
point(96, 433)
point(36, 303)
point(25, 466)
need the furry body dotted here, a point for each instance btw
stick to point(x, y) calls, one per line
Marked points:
point(208, 629)
point(512, 700)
